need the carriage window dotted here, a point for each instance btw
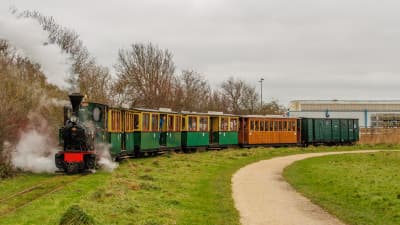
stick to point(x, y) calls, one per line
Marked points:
point(293, 125)
point(183, 123)
point(115, 120)
point(163, 123)
point(177, 123)
point(276, 128)
point(224, 124)
point(154, 122)
point(252, 125)
point(192, 123)
point(266, 126)
point(128, 122)
point(146, 122)
point(271, 125)
point(261, 125)
point(280, 126)
point(285, 126)
point(234, 124)
point(203, 124)
point(289, 126)
point(170, 123)
point(257, 125)
point(136, 122)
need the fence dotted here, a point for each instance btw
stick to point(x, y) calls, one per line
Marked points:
point(380, 136)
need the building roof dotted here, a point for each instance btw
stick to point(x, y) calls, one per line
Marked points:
point(345, 105)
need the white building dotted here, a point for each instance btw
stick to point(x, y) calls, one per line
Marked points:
point(370, 113)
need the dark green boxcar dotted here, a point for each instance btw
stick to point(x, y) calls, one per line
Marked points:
point(329, 131)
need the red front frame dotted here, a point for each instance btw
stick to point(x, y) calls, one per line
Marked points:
point(75, 157)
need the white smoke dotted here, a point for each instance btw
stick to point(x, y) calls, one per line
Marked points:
point(30, 40)
point(57, 102)
point(36, 148)
point(105, 162)
point(35, 153)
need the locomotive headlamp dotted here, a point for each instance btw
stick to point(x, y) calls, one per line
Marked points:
point(74, 119)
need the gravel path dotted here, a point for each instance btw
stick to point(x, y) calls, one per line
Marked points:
point(263, 197)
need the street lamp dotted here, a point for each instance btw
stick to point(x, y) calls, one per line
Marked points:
point(261, 80)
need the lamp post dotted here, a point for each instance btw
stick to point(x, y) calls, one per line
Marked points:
point(261, 80)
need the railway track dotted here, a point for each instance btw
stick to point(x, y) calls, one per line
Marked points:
point(28, 195)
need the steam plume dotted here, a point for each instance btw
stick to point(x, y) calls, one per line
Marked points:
point(30, 40)
point(34, 153)
point(35, 149)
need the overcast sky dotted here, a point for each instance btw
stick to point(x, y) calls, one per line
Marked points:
point(304, 49)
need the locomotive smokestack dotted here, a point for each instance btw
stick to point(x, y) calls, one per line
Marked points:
point(76, 99)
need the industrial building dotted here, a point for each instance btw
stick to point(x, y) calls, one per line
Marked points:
point(371, 113)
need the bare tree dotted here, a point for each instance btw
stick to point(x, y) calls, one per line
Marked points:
point(218, 102)
point(145, 76)
point(233, 90)
point(272, 108)
point(195, 90)
point(249, 100)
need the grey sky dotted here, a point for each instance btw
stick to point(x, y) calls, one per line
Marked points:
point(305, 49)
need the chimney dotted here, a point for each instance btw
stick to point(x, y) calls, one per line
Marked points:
point(76, 99)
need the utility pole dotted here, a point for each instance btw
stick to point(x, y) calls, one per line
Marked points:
point(261, 80)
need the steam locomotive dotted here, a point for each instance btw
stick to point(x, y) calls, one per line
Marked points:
point(135, 132)
point(78, 152)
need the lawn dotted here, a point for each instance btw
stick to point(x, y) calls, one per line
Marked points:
point(359, 189)
point(169, 189)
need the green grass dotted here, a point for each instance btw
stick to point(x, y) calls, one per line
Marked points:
point(358, 188)
point(171, 189)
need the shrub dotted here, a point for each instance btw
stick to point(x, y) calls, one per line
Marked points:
point(76, 216)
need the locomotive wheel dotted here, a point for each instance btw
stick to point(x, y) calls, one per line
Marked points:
point(72, 168)
point(90, 163)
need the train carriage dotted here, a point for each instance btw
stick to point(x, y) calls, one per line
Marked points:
point(147, 135)
point(223, 129)
point(195, 130)
point(170, 127)
point(329, 130)
point(268, 130)
point(115, 130)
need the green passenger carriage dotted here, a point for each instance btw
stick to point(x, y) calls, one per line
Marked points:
point(170, 128)
point(195, 130)
point(223, 130)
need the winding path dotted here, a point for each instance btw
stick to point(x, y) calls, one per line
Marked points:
point(263, 197)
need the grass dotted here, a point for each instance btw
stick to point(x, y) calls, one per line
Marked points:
point(169, 189)
point(358, 188)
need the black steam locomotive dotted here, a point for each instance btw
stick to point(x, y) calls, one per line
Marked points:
point(78, 152)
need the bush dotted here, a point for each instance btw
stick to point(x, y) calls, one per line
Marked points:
point(6, 170)
point(76, 216)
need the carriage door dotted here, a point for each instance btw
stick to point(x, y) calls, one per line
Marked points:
point(163, 129)
point(214, 130)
